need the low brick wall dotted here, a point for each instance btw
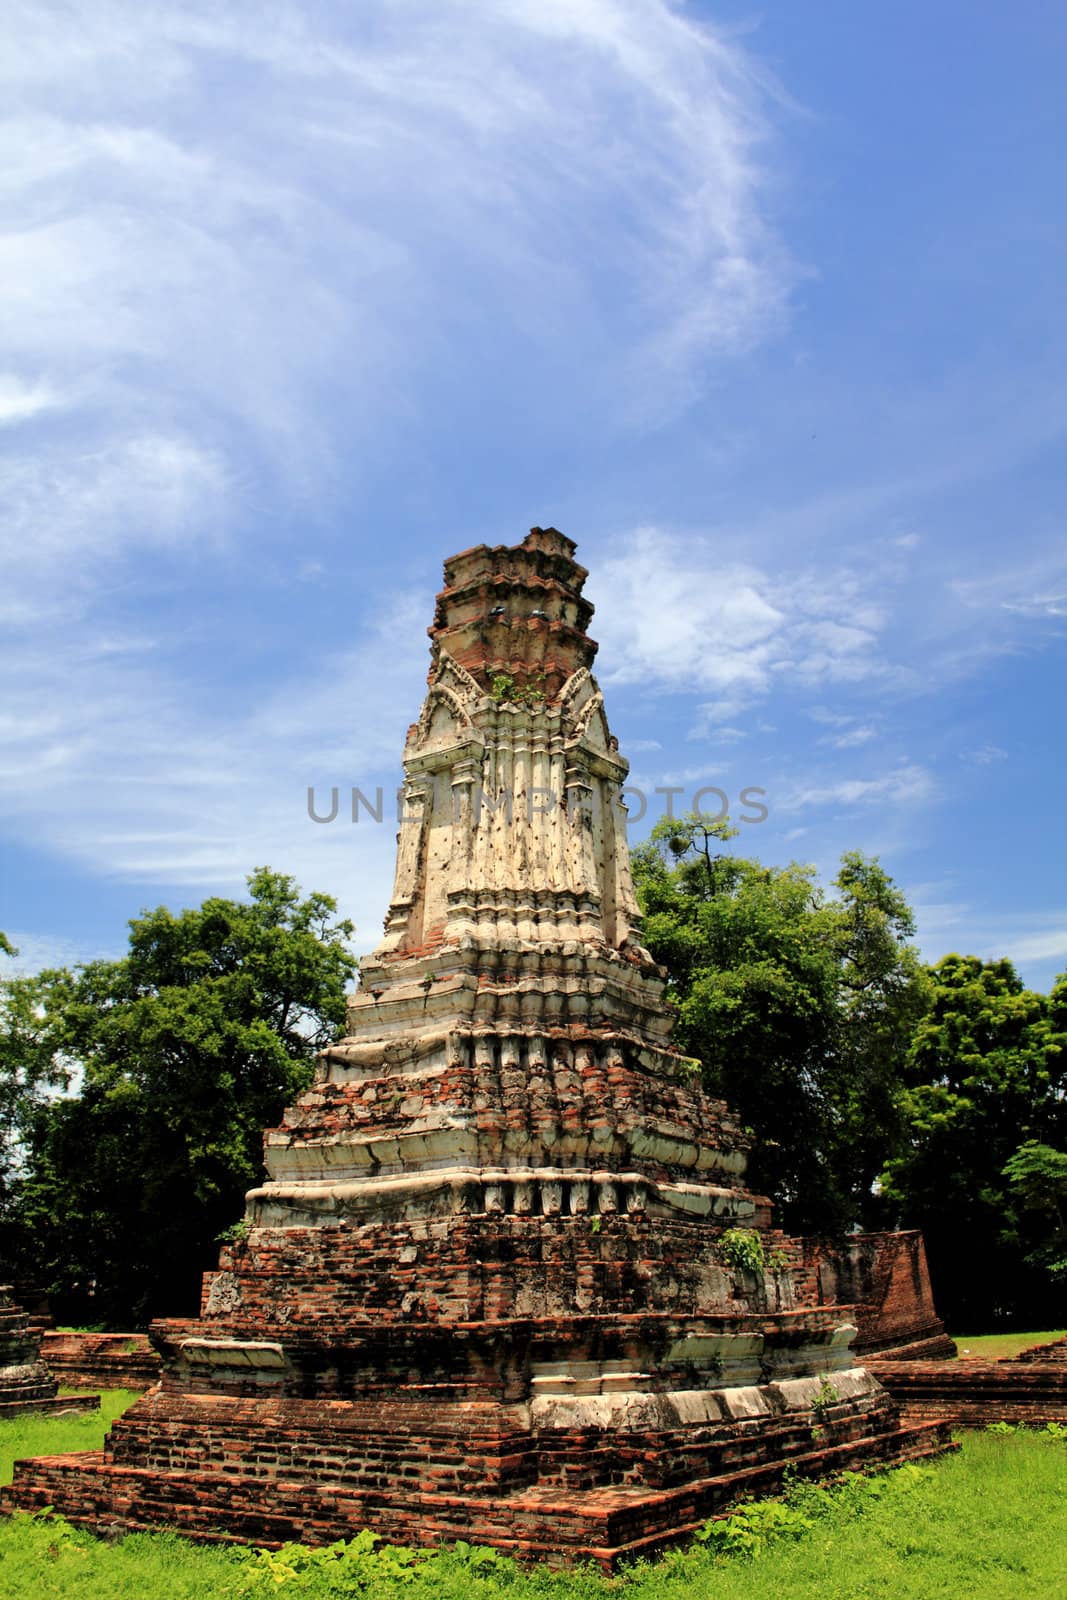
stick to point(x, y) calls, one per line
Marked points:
point(100, 1360)
point(1055, 1352)
point(972, 1394)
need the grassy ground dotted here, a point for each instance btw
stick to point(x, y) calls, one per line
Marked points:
point(987, 1524)
point(37, 1433)
point(1002, 1346)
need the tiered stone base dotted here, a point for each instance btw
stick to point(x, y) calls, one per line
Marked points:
point(265, 1472)
point(557, 1439)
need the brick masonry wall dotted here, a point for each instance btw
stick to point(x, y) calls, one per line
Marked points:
point(972, 1394)
point(104, 1360)
point(277, 1474)
point(470, 1268)
point(885, 1278)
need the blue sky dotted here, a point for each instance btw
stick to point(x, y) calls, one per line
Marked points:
point(761, 306)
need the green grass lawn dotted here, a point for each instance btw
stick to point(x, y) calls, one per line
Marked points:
point(1002, 1346)
point(987, 1524)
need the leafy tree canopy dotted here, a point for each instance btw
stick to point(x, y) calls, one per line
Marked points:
point(799, 1005)
point(1038, 1177)
point(985, 1114)
point(182, 1052)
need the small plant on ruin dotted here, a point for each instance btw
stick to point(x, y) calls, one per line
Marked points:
point(826, 1397)
point(742, 1249)
point(236, 1233)
point(505, 691)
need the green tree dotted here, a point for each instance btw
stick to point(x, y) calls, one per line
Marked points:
point(987, 1081)
point(31, 1069)
point(795, 1002)
point(884, 992)
point(183, 1052)
point(1038, 1177)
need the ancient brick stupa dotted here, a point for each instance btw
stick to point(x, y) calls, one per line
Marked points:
point(505, 1281)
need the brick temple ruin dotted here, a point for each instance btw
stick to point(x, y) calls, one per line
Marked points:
point(487, 1290)
point(26, 1381)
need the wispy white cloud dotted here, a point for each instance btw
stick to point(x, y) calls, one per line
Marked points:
point(908, 784)
point(1035, 941)
point(203, 211)
point(36, 951)
point(241, 261)
point(1049, 603)
point(1050, 944)
point(852, 738)
point(107, 762)
point(831, 719)
point(69, 515)
point(986, 755)
point(21, 399)
point(666, 619)
point(1034, 587)
point(674, 615)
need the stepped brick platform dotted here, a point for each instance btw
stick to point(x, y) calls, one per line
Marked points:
point(26, 1384)
point(270, 1501)
point(491, 1287)
point(1055, 1352)
point(33, 1300)
point(110, 1360)
point(972, 1394)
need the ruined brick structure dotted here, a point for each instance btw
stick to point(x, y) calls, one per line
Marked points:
point(1030, 1388)
point(105, 1360)
point(484, 1293)
point(885, 1278)
point(26, 1383)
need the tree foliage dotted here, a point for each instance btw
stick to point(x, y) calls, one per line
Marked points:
point(798, 1004)
point(31, 1069)
point(881, 1092)
point(985, 1112)
point(1037, 1175)
point(182, 1052)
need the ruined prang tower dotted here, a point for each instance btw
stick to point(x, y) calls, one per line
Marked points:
point(485, 1292)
